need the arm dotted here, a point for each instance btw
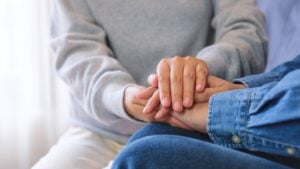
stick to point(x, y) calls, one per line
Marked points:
point(216, 85)
point(240, 46)
point(263, 119)
point(84, 61)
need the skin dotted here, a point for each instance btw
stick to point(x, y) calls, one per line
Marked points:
point(177, 80)
point(196, 116)
point(134, 107)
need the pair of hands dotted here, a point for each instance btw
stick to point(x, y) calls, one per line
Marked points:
point(181, 99)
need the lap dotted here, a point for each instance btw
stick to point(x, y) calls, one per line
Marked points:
point(163, 129)
point(79, 148)
point(159, 144)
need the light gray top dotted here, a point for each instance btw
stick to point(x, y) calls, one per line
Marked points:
point(102, 46)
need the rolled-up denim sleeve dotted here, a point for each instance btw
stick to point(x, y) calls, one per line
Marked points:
point(264, 119)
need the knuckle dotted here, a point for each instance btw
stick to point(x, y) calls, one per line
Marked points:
point(176, 79)
point(202, 71)
point(164, 93)
point(162, 78)
point(189, 75)
point(189, 59)
point(203, 64)
point(176, 60)
point(163, 62)
point(176, 96)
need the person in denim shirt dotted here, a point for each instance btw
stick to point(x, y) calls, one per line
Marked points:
point(254, 127)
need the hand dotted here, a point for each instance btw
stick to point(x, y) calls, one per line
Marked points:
point(178, 79)
point(214, 85)
point(195, 117)
point(152, 95)
point(134, 107)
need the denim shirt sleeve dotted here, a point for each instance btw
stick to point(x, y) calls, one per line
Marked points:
point(275, 75)
point(265, 118)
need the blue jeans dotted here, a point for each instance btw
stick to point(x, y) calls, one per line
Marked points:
point(159, 146)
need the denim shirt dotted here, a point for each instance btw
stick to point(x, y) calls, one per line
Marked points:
point(263, 117)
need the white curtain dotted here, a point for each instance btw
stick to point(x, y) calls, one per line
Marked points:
point(33, 103)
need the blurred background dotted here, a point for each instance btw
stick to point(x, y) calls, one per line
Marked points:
point(33, 102)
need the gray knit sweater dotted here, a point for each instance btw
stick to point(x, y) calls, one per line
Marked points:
point(102, 46)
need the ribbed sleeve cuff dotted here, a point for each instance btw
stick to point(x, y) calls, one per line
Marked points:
point(112, 98)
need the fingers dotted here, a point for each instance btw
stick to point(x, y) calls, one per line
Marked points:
point(188, 85)
point(163, 72)
point(176, 84)
point(162, 113)
point(152, 104)
point(201, 76)
point(207, 93)
point(153, 80)
point(145, 94)
point(177, 79)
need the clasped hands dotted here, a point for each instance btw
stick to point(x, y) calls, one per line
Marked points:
point(178, 94)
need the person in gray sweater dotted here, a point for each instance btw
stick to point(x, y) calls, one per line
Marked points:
point(105, 51)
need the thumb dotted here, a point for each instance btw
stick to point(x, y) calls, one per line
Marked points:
point(146, 93)
point(153, 80)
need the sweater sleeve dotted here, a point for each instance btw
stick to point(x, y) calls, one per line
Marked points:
point(86, 63)
point(240, 43)
point(275, 75)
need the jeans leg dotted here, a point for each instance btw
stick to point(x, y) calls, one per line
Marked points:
point(177, 152)
point(163, 129)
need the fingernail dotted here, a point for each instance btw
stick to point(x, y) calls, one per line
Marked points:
point(200, 87)
point(177, 106)
point(187, 102)
point(166, 102)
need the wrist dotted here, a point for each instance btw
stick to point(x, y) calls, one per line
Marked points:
point(239, 86)
point(131, 107)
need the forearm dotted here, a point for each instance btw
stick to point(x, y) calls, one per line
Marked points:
point(85, 62)
point(258, 119)
point(240, 44)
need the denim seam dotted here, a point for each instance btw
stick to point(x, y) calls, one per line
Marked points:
point(258, 141)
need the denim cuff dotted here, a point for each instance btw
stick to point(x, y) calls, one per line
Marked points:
point(227, 118)
point(258, 80)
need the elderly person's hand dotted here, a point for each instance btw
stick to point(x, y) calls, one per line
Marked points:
point(178, 78)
